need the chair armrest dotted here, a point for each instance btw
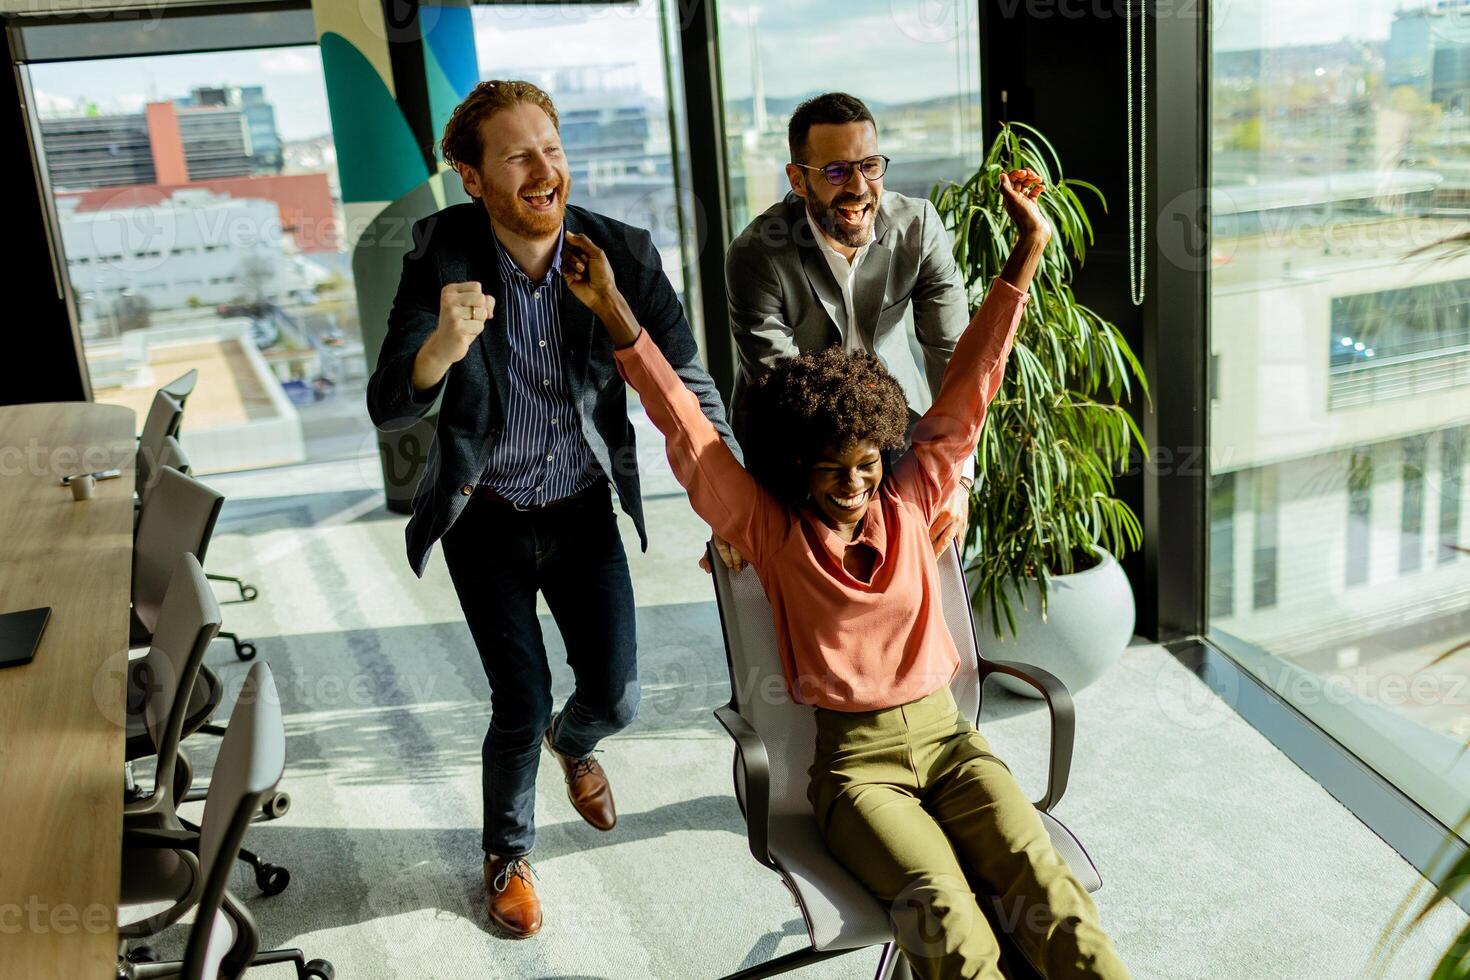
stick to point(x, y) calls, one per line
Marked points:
point(757, 768)
point(1063, 721)
point(160, 837)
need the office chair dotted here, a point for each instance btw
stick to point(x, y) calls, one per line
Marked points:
point(178, 519)
point(178, 514)
point(223, 940)
point(172, 455)
point(180, 389)
point(774, 737)
point(161, 683)
point(162, 421)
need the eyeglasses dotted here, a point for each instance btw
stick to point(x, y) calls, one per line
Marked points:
point(840, 171)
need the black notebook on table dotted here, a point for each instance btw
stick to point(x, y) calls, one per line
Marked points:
point(20, 634)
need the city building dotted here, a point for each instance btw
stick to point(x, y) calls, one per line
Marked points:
point(194, 249)
point(219, 132)
point(1428, 51)
point(260, 120)
point(306, 208)
point(1339, 357)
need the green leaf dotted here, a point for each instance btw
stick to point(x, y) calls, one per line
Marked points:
point(1061, 426)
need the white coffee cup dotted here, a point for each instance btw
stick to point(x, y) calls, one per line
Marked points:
point(83, 487)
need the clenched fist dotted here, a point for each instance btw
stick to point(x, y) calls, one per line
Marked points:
point(463, 310)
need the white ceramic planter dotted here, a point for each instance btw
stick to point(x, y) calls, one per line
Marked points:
point(1089, 622)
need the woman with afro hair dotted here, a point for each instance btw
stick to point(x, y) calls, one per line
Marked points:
point(907, 793)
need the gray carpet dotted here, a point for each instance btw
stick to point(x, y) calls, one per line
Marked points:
point(1219, 857)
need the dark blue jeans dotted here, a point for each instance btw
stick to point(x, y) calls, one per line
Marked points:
point(498, 559)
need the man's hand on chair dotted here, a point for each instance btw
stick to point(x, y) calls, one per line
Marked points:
point(728, 553)
point(951, 520)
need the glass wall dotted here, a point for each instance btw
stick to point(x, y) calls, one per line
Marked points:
point(607, 68)
point(915, 65)
point(199, 212)
point(1339, 571)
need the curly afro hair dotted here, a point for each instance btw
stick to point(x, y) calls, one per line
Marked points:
point(824, 399)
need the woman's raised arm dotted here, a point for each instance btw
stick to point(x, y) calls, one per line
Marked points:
point(947, 434)
point(721, 491)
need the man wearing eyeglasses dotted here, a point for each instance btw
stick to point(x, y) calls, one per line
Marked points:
point(839, 261)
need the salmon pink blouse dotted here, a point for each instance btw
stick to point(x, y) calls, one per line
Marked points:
point(845, 643)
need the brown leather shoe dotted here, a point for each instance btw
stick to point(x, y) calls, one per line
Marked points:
point(587, 787)
point(510, 896)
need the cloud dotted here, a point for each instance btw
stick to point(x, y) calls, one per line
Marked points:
point(544, 39)
point(292, 61)
point(49, 104)
point(132, 101)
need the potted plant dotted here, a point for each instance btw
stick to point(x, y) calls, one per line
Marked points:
point(1045, 528)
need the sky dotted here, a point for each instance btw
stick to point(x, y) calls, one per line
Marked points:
point(292, 78)
point(878, 44)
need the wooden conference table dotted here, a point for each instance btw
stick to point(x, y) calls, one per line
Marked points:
point(62, 715)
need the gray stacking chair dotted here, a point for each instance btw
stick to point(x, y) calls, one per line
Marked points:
point(188, 619)
point(178, 519)
point(775, 737)
point(223, 940)
point(162, 421)
point(178, 515)
point(180, 389)
point(168, 690)
point(171, 455)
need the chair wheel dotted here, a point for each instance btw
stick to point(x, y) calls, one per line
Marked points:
point(277, 805)
point(320, 970)
point(249, 593)
point(245, 651)
point(272, 878)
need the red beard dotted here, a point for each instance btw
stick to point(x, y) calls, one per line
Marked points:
point(519, 218)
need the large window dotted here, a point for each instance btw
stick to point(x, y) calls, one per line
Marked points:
point(1340, 148)
point(916, 66)
point(607, 68)
point(199, 217)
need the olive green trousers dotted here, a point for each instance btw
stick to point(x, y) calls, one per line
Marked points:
point(913, 802)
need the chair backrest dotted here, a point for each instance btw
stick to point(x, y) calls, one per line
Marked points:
point(164, 416)
point(171, 455)
point(187, 621)
point(251, 761)
point(959, 616)
point(182, 386)
point(177, 517)
point(758, 684)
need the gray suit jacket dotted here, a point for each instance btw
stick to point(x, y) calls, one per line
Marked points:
point(454, 245)
point(909, 301)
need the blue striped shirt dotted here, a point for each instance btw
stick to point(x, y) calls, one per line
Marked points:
point(541, 454)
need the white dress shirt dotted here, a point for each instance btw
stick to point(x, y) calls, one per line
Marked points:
point(844, 270)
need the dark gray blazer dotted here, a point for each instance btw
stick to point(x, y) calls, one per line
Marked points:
point(454, 245)
point(908, 297)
